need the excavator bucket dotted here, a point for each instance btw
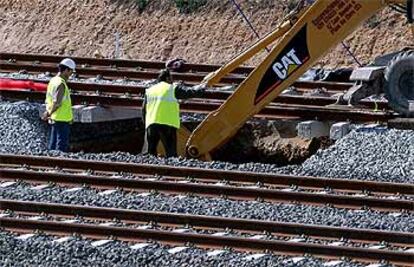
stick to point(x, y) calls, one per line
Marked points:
point(182, 137)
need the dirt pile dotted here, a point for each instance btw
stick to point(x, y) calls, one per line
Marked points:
point(272, 142)
point(214, 34)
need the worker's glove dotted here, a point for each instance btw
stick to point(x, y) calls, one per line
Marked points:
point(200, 87)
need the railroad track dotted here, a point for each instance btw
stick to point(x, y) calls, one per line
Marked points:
point(271, 112)
point(232, 184)
point(285, 106)
point(12, 62)
point(137, 64)
point(125, 90)
point(122, 90)
point(142, 70)
point(206, 231)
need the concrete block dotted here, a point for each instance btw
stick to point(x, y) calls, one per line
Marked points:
point(372, 128)
point(93, 114)
point(76, 109)
point(77, 112)
point(310, 129)
point(367, 73)
point(339, 130)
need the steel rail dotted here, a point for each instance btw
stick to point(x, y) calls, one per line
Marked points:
point(139, 90)
point(145, 64)
point(120, 90)
point(336, 86)
point(208, 189)
point(209, 174)
point(194, 77)
point(332, 87)
point(99, 88)
point(218, 93)
point(114, 73)
point(270, 112)
point(205, 240)
point(221, 94)
point(208, 221)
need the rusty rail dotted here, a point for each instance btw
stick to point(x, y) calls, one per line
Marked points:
point(273, 111)
point(139, 90)
point(137, 69)
point(207, 221)
point(8, 59)
point(206, 240)
point(144, 64)
point(211, 94)
point(238, 192)
point(208, 174)
point(113, 73)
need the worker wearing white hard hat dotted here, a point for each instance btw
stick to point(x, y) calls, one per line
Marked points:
point(68, 63)
point(59, 106)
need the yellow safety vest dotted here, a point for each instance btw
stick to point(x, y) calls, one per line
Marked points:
point(162, 107)
point(64, 112)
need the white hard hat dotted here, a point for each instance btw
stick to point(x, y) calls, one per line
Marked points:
point(68, 63)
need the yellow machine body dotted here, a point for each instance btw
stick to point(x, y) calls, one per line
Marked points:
point(307, 34)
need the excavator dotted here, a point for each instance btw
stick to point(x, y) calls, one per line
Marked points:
point(305, 35)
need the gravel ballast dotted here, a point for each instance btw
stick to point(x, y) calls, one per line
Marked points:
point(42, 250)
point(376, 154)
point(319, 215)
point(21, 129)
point(364, 154)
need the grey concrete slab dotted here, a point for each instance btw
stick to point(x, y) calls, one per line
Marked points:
point(311, 129)
point(92, 114)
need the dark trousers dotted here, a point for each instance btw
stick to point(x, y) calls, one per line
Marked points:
point(59, 136)
point(167, 135)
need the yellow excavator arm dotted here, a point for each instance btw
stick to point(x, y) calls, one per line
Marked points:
point(305, 37)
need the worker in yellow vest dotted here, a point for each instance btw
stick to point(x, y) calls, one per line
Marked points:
point(161, 112)
point(59, 107)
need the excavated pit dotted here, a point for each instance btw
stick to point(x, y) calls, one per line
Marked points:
point(105, 137)
point(272, 142)
point(261, 141)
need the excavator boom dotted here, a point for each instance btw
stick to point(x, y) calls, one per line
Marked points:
point(322, 26)
point(214, 77)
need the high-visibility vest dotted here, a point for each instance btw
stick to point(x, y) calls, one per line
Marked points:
point(162, 107)
point(64, 112)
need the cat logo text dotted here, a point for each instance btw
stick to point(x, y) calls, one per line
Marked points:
point(287, 64)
